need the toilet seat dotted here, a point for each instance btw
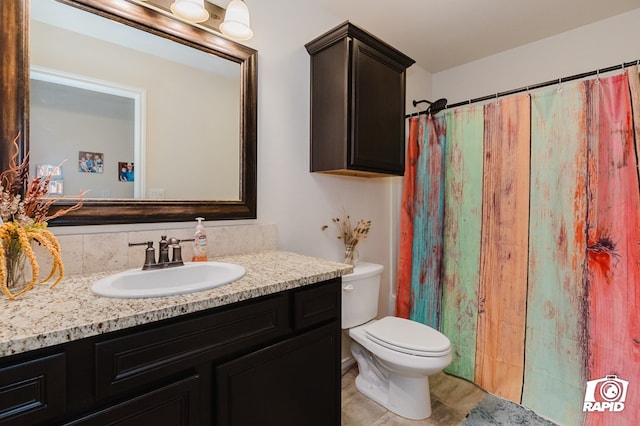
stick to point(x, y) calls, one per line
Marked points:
point(409, 337)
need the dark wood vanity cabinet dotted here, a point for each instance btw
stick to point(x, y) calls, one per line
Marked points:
point(273, 360)
point(357, 104)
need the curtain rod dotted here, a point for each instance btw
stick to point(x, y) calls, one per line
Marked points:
point(547, 83)
point(538, 86)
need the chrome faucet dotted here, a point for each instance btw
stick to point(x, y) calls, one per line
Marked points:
point(163, 256)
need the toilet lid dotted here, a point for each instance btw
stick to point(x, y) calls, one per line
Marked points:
point(408, 337)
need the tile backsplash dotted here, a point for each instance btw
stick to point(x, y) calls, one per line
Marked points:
point(100, 252)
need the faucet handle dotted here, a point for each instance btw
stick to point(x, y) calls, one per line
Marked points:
point(149, 254)
point(146, 243)
point(176, 256)
point(176, 248)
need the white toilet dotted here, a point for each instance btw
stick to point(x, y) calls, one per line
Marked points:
point(395, 356)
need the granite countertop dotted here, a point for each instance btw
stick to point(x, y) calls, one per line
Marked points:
point(45, 317)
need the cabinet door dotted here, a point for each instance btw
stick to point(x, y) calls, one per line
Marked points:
point(378, 106)
point(172, 405)
point(33, 391)
point(295, 382)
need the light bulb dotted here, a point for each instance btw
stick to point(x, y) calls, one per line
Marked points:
point(190, 10)
point(236, 23)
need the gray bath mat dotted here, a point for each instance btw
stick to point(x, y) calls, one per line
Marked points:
point(497, 411)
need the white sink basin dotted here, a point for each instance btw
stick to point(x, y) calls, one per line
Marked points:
point(191, 277)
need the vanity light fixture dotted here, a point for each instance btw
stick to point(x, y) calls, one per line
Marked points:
point(190, 10)
point(208, 15)
point(236, 23)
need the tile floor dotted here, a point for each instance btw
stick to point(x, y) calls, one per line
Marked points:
point(451, 400)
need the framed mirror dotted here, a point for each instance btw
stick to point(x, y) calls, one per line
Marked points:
point(174, 173)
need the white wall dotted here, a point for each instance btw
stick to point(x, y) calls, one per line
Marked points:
point(608, 42)
point(299, 202)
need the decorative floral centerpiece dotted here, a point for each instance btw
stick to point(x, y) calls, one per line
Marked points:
point(23, 219)
point(351, 235)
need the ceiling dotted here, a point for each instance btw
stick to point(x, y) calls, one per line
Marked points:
point(441, 34)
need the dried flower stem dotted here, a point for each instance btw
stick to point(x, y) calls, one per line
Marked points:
point(349, 235)
point(24, 219)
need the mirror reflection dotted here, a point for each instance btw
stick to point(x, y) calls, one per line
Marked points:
point(129, 114)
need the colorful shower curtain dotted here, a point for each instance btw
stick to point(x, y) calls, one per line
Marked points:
point(554, 375)
point(504, 239)
point(403, 286)
point(538, 282)
point(420, 294)
point(613, 244)
point(463, 207)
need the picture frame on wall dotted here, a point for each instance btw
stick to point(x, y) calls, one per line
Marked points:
point(126, 171)
point(55, 187)
point(48, 170)
point(90, 162)
point(52, 173)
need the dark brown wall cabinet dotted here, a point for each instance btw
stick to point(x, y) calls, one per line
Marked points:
point(357, 104)
point(274, 360)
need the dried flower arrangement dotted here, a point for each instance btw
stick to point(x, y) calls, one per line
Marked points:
point(350, 235)
point(23, 219)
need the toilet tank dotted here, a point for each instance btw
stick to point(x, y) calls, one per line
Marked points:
point(360, 291)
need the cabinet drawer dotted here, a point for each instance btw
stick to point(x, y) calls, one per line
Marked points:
point(144, 357)
point(33, 391)
point(317, 304)
point(175, 404)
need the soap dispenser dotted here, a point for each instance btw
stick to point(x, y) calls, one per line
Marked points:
point(199, 243)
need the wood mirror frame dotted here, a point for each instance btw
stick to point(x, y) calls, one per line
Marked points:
point(14, 112)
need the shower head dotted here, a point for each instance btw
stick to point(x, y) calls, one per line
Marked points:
point(437, 106)
point(434, 107)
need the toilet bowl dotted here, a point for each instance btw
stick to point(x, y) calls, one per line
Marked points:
point(395, 356)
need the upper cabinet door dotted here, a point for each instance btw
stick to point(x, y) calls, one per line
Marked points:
point(357, 104)
point(378, 107)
